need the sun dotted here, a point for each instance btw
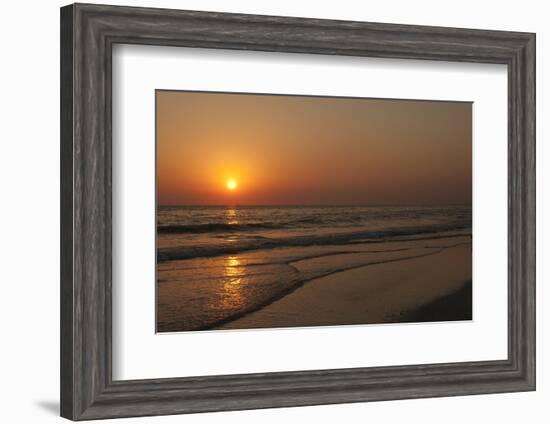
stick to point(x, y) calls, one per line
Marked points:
point(231, 184)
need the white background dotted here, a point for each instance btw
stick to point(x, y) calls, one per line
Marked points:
point(139, 70)
point(29, 174)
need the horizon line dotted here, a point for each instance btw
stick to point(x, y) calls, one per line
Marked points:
point(313, 205)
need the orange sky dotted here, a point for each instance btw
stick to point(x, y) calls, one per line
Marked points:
point(311, 150)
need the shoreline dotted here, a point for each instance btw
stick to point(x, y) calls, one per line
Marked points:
point(292, 289)
point(428, 288)
point(284, 293)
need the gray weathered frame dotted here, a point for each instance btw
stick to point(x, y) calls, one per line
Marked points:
point(88, 33)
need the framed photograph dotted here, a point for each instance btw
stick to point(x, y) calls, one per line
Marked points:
point(281, 193)
point(263, 211)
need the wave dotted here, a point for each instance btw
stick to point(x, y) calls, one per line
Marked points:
point(215, 227)
point(249, 244)
point(225, 227)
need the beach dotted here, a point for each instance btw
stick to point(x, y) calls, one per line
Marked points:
point(299, 267)
point(400, 290)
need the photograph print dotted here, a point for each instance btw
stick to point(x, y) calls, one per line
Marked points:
point(278, 211)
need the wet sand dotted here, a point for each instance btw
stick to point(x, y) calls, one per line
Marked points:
point(430, 287)
point(452, 307)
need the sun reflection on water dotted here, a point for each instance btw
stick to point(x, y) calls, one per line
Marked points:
point(231, 216)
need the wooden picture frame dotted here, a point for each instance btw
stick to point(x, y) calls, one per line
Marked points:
point(88, 33)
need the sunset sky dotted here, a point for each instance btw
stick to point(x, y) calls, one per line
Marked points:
point(222, 149)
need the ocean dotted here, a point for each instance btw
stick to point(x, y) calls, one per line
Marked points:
point(216, 264)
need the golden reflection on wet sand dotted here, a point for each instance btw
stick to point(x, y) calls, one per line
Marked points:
point(232, 294)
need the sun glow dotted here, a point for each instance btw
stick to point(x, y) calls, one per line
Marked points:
point(231, 184)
